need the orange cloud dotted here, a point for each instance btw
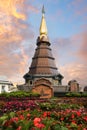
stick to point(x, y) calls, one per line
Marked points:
point(14, 30)
point(9, 18)
point(23, 62)
point(9, 7)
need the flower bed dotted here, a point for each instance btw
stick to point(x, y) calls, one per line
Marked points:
point(44, 120)
point(52, 114)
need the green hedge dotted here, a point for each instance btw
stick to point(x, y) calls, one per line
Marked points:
point(19, 94)
point(76, 94)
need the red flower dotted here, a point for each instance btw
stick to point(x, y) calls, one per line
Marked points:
point(19, 128)
point(7, 123)
point(21, 117)
point(28, 115)
point(85, 118)
point(37, 123)
point(40, 125)
point(46, 114)
point(62, 118)
point(78, 113)
point(33, 128)
point(37, 120)
point(72, 116)
point(74, 122)
point(14, 119)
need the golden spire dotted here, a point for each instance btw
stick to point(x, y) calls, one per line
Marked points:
point(43, 27)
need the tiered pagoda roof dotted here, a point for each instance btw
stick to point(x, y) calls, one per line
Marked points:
point(43, 62)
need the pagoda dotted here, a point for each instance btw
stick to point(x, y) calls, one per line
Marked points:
point(43, 75)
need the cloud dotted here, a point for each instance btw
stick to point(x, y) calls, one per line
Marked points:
point(15, 33)
point(82, 53)
point(61, 42)
point(12, 8)
point(73, 9)
point(75, 71)
point(14, 63)
point(71, 57)
point(79, 7)
point(65, 49)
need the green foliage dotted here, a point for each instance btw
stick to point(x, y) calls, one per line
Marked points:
point(69, 106)
point(74, 126)
point(59, 127)
point(76, 94)
point(3, 118)
point(19, 94)
point(52, 105)
point(47, 106)
point(49, 124)
point(84, 94)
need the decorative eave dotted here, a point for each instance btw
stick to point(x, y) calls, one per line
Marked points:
point(28, 76)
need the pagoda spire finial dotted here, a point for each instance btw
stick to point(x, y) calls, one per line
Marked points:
point(43, 10)
point(43, 27)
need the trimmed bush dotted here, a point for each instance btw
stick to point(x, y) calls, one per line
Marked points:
point(76, 94)
point(18, 94)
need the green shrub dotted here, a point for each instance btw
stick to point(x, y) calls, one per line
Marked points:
point(73, 94)
point(84, 94)
point(76, 94)
point(19, 94)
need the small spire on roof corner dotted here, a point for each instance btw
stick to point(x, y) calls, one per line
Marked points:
point(43, 10)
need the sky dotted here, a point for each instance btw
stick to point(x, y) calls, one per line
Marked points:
point(67, 31)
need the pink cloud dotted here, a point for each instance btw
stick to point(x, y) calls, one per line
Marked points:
point(13, 32)
point(72, 52)
point(13, 65)
point(82, 53)
point(75, 71)
point(79, 7)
